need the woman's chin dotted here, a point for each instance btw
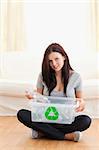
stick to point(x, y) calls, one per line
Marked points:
point(57, 70)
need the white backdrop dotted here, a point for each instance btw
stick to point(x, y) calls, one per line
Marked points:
point(69, 23)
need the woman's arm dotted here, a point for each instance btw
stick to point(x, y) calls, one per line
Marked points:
point(78, 95)
point(40, 90)
point(39, 87)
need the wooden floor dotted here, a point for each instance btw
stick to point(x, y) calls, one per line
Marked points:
point(15, 136)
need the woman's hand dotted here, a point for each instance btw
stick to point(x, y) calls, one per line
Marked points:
point(28, 94)
point(81, 106)
point(33, 94)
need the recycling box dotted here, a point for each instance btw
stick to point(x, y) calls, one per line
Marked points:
point(55, 110)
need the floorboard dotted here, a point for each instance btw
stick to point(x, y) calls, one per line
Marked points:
point(15, 136)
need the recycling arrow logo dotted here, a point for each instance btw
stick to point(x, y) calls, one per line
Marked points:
point(51, 113)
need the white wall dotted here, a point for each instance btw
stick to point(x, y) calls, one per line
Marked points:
point(69, 24)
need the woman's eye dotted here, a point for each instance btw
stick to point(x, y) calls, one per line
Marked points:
point(56, 59)
point(50, 61)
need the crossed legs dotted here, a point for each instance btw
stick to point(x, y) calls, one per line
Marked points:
point(52, 130)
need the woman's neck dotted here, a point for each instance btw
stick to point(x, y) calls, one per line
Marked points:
point(58, 74)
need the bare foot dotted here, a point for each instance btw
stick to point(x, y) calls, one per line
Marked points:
point(69, 136)
point(74, 136)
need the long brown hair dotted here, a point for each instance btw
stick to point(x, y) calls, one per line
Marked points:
point(48, 73)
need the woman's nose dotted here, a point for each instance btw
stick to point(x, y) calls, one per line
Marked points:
point(54, 63)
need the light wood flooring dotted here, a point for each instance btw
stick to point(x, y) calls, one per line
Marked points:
point(15, 136)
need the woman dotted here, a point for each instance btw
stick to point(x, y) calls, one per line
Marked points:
point(58, 79)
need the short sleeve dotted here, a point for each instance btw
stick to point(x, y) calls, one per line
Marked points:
point(40, 82)
point(79, 84)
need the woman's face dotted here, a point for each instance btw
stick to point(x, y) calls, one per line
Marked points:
point(56, 61)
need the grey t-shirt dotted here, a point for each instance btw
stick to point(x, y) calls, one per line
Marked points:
point(74, 84)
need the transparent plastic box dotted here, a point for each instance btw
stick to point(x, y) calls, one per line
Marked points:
point(55, 110)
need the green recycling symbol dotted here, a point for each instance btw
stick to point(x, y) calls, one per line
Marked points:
point(51, 113)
